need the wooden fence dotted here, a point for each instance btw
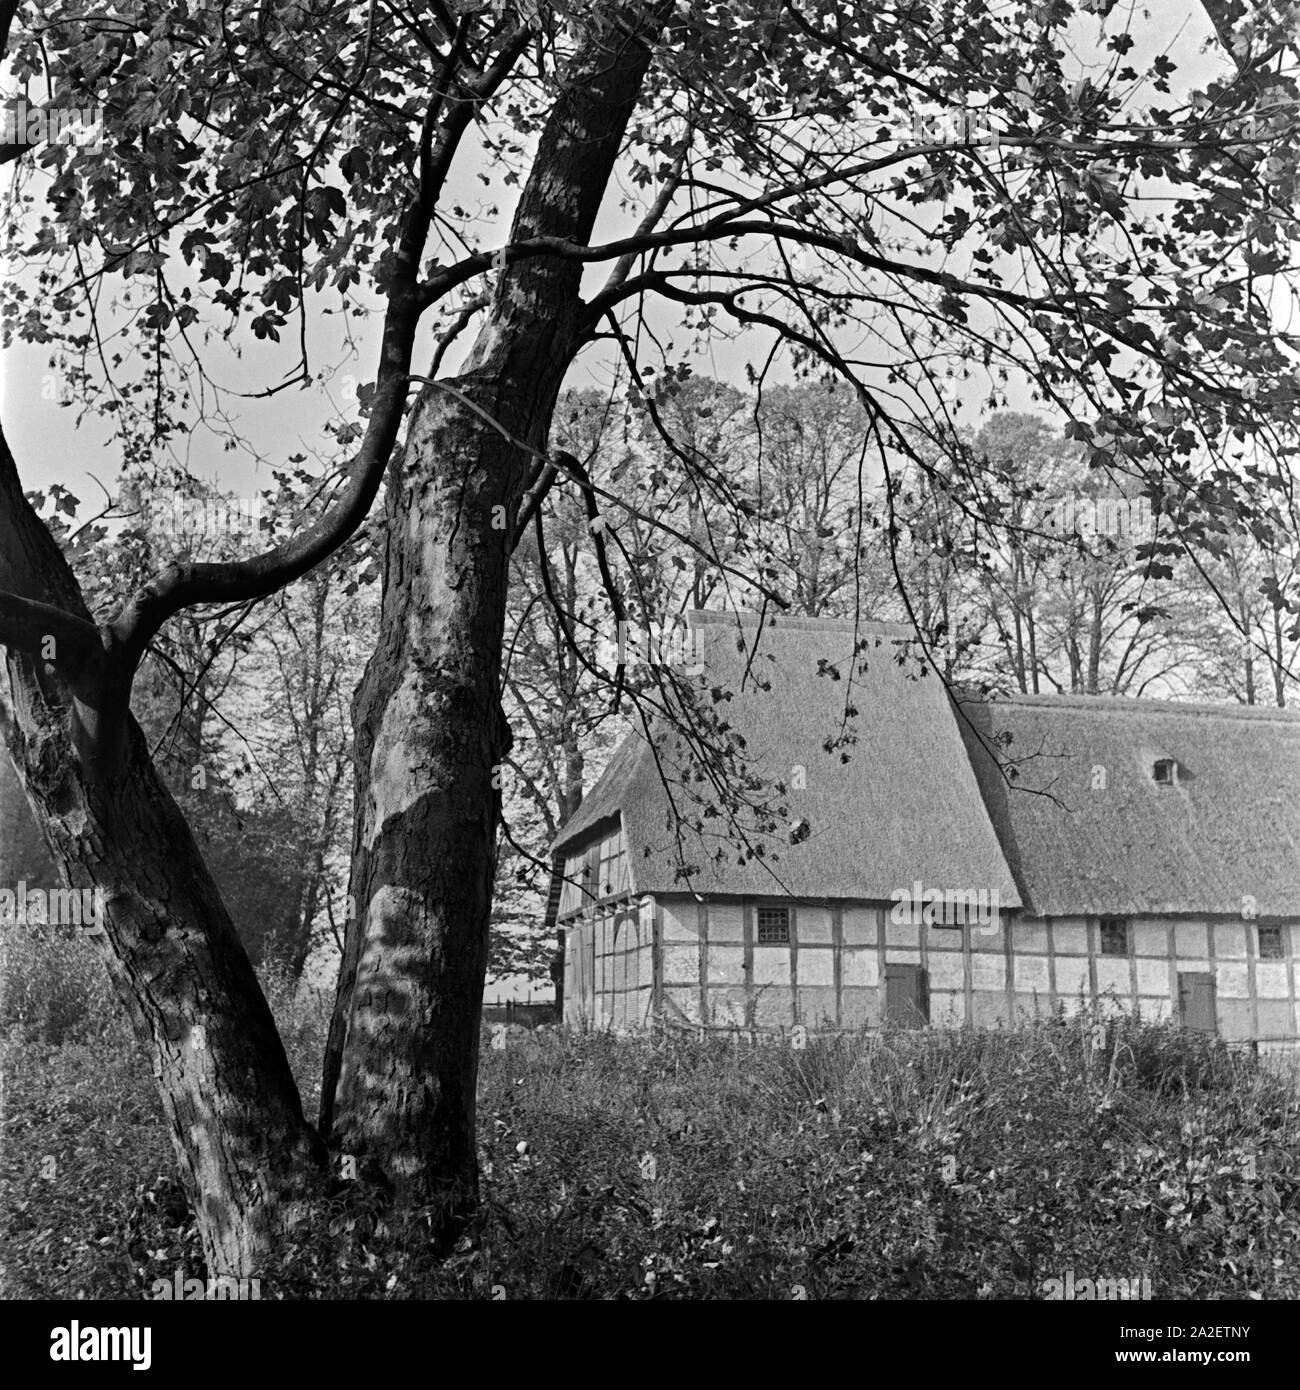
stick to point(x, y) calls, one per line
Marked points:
point(529, 1013)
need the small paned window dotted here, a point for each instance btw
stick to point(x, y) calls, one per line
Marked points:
point(1114, 936)
point(1270, 943)
point(773, 926)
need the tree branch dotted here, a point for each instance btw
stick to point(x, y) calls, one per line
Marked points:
point(8, 8)
point(539, 484)
point(539, 798)
point(584, 480)
point(456, 327)
point(596, 525)
point(654, 213)
point(725, 224)
point(185, 583)
point(29, 626)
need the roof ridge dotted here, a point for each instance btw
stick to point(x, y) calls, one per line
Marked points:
point(718, 617)
point(1128, 704)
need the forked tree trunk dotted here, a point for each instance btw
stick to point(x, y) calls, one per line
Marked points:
point(244, 1150)
point(402, 1061)
point(399, 1087)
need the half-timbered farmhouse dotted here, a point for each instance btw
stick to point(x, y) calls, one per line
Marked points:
point(945, 861)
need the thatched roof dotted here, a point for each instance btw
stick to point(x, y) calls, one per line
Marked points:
point(1107, 838)
point(904, 807)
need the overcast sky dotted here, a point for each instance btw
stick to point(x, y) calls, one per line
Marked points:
point(50, 447)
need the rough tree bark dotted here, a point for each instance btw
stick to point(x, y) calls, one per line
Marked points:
point(401, 1067)
point(244, 1150)
point(22, 847)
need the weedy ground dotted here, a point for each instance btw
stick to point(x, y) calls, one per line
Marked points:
point(933, 1165)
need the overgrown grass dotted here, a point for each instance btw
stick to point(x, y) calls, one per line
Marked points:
point(930, 1165)
point(53, 986)
point(910, 1165)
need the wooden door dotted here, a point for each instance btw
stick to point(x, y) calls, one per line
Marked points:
point(1196, 1007)
point(580, 967)
point(907, 996)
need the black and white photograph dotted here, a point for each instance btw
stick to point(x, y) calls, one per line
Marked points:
point(649, 652)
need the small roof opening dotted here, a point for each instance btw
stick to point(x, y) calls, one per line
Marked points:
point(1164, 772)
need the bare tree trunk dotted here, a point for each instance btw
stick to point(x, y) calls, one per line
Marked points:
point(1277, 658)
point(1018, 654)
point(195, 1005)
point(398, 1091)
point(1095, 642)
point(430, 737)
point(574, 760)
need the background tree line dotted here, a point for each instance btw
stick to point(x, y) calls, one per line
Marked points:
point(248, 711)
